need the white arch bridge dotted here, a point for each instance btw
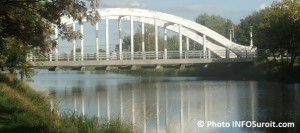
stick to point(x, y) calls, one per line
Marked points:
point(215, 46)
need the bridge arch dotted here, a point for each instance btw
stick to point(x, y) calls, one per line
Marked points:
point(180, 25)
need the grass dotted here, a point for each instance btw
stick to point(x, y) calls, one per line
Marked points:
point(24, 110)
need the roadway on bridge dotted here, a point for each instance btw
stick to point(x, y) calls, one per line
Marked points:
point(163, 62)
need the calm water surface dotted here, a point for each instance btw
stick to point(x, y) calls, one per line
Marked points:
point(173, 104)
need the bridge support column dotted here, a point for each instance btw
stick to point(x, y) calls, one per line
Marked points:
point(227, 53)
point(165, 43)
point(180, 42)
point(156, 40)
point(187, 48)
point(74, 45)
point(50, 56)
point(120, 39)
point(81, 43)
point(204, 46)
point(97, 41)
point(131, 38)
point(107, 38)
point(143, 41)
point(56, 49)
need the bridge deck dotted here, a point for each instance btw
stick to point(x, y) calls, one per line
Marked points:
point(95, 63)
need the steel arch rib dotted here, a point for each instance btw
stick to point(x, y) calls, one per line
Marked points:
point(176, 20)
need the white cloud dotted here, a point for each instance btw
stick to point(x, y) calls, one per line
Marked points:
point(200, 8)
point(262, 6)
point(135, 4)
point(121, 3)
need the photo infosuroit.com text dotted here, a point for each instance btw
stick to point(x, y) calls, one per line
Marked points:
point(242, 124)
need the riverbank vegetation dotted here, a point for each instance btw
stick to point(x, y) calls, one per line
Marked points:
point(27, 27)
point(276, 31)
point(232, 71)
point(22, 109)
point(256, 71)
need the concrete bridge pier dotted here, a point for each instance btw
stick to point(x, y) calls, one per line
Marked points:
point(81, 68)
point(158, 67)
point(133, 67)
point(107, 68)
point(103, 68)
point(55, 68)
point(182, 67)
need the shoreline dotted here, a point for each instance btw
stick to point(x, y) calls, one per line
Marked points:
point(23, 109)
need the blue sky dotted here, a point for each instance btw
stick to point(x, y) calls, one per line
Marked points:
point(190, 9)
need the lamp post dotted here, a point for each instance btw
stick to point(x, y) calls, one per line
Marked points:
point(251, 39)
point(231, 33)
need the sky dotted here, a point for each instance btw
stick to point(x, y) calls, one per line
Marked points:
point(190, 9)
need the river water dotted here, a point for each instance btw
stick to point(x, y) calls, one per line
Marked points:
point(174, 104)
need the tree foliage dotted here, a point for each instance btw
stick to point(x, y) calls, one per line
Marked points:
point(29, 24)
point(281, 29)
point(216, 23)
point(276, 29)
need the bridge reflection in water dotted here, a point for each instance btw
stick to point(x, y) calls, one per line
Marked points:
point(177, 104)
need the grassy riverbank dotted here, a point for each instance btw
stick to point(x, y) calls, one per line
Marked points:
point(22, 109)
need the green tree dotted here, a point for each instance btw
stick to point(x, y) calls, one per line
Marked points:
point(242, 35)
point(29, 23)
point(276, 29)
point(15, 54)
point(280, 33)
point(217, 23)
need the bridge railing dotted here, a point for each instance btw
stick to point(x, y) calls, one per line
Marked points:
point(148, 55)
